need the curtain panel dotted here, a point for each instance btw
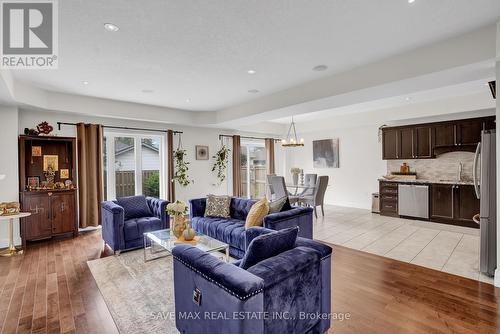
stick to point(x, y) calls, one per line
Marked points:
point(237, 189)
point(271, 167)
point(90, 177)
point(170, 166)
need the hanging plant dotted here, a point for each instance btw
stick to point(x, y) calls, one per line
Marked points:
point(181, 166)
point(220, 164)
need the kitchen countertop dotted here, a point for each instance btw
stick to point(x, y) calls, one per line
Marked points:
point(423, 181)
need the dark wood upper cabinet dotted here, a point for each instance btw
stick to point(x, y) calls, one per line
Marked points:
point(422, 142)
point(469, 132)
point(425, 141)
point(444, 135)
point(406, 143)
point(442, 206)
point(390, 144)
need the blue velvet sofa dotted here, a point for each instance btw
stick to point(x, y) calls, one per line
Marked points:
point(123, 227)
point(287, 293)
point(232, 230)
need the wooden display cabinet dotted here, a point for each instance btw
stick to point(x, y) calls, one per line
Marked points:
point(53, 211)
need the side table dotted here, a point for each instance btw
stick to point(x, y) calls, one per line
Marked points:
point(12, 250)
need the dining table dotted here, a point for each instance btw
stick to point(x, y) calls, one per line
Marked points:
point(294, 188)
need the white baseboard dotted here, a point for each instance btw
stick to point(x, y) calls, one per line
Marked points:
point(497, 278)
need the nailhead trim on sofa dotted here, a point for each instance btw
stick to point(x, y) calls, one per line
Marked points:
point(219, 284)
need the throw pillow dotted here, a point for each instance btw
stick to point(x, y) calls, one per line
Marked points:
point(257, 212)
point(269, 245)
point(277, 205)
point(287, 205)
point(134, 207)
point(218, 206)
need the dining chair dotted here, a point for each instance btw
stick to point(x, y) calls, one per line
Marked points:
point(309, 180)
point(270, 186)
point(318, 197)
point(278, 185)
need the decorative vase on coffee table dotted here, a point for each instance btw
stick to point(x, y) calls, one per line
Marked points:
point(179, 225)
point(189, 233)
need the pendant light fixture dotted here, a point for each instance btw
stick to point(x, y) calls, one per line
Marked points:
point(291, 138)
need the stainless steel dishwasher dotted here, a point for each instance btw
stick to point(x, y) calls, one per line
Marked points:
point(413, 200)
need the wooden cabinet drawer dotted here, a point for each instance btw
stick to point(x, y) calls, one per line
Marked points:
point(389, 206)
point(389, 197)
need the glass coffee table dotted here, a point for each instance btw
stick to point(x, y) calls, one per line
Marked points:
point(164, 241)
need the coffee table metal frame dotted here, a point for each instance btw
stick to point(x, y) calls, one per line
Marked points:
point(155, 243)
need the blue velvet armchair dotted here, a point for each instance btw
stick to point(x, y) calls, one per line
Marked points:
point(286, 293)
point(126, 219)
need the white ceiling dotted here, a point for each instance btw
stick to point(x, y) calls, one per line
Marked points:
point(479, 88)
point(201, 50)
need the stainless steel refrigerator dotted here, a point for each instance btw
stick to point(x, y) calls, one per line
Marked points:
point(485, 183)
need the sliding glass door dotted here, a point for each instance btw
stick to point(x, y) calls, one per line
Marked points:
point(134, 164)
point(253, 169)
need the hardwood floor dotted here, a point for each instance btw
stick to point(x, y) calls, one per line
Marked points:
point(51, 290)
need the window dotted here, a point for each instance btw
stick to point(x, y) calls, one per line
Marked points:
point(253, 169)
point(134, 164)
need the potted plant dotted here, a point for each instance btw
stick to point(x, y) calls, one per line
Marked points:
point(178, 210)
point(181, 168)
point(220, 164)
point(295, 175)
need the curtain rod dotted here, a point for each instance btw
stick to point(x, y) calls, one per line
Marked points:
point(119, 127)
point(246, 137)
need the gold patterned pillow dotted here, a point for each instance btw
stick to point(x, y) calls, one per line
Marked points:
point(218, 206)
point(257, 212)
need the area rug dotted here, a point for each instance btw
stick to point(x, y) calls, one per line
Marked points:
point(140, 296)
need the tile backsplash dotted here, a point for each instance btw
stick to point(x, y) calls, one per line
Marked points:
point(444, 167)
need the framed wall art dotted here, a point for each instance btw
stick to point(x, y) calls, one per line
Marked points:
point(51, 161)
point(201, 152)
point(326, 153)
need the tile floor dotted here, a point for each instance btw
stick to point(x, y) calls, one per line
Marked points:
point(451, 249)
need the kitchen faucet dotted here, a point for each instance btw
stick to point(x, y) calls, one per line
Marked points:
point(459, 172)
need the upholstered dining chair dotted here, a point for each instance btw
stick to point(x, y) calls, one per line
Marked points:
point(279, 187)
point(318, 197)
point(309, 180)
point(270, 186)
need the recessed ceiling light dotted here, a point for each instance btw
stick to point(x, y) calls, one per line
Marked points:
point(111, 27)
point(408, 98)
point(253, 91)
point(320, 68)
point(147, 90)
point(188, 100)
point(411, 1)
point(85, 82)
point(251, 71)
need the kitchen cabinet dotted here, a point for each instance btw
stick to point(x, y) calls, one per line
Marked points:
point(442, 199)
point(425, 141)
point(454, 204)
point(449, 203)
point(390, 147)
point(444, 135)
point(388, 199)
point(422, 142)
point(467, 205)
point(406, 143)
